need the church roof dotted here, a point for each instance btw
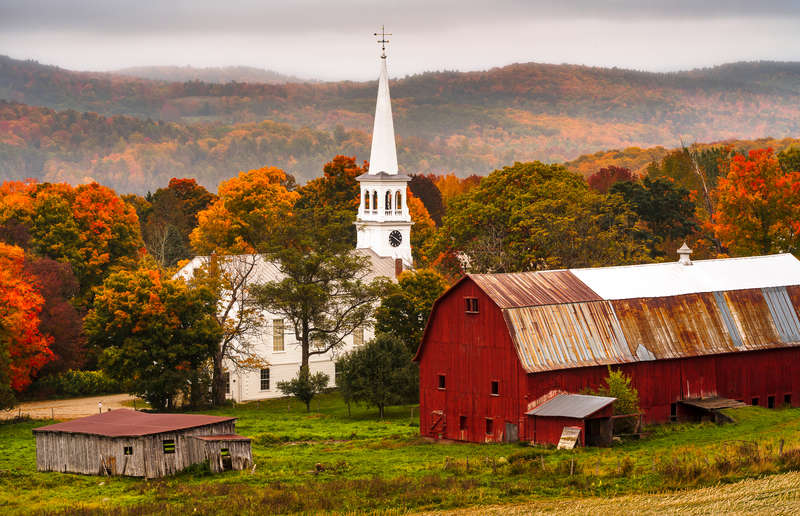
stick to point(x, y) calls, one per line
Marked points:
point(266, 271)
point(383, 155)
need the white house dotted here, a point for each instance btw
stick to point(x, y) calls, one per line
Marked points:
point(384, 236)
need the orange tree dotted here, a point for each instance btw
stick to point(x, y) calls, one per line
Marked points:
point(23, 348)
point(247, 208)
point(758, 211)
point(155, 333)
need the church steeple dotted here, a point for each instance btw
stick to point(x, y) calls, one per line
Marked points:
point(383, 155)
point(384, 222)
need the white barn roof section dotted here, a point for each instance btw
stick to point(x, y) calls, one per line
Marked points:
point(383, 155)
point(674, 279)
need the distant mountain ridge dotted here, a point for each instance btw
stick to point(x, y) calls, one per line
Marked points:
point(218, 75)
point(462, 122)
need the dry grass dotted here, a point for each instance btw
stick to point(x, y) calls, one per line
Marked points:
point(774, 495)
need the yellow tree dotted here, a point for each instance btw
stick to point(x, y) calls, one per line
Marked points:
point(248, 207)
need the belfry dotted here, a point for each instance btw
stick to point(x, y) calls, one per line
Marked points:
point(384, 223)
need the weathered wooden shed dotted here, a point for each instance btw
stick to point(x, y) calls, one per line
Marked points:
point(140, 444)
point(496, 344)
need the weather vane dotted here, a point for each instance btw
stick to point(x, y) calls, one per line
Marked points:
point(383, 40)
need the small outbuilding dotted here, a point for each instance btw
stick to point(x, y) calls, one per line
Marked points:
point(140, 444)
point(592, 415)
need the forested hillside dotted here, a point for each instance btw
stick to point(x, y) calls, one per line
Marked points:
point(218, 74)
point(464, 123)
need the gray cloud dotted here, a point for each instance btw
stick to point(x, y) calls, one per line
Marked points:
point(331, 40)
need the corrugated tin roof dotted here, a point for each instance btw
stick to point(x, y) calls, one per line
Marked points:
point(672, 279)
point(131, 423)
point(266, 271)
point(576, 406)
point(534, 288)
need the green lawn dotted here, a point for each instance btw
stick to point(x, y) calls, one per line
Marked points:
point(329, 461)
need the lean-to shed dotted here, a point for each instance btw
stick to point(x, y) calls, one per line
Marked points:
point(497, 343)
point(140, 444)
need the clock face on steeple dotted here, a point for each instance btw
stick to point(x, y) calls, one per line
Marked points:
point(395, 238)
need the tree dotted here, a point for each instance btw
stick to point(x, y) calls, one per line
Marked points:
point(666, 211)
point(325, 293)
point(154, 332)
point(790, 159)
point(606, 177)
point(405, 309)
point(535, 216)
point(424, 188)
point(618, 385)
point(759, 206)
point(305, 386)
point(380, 373)
point(423, 233)
point(240, 319)
point(245, 212)
point(58, 317)
point(23, 347)
point(171, 217)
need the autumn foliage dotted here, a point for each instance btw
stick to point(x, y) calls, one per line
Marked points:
point(23, 348)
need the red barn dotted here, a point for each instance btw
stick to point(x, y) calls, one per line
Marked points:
point(497, 346)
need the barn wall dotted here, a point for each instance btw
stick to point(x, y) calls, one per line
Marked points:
point(740, 376)
point(471, 350)
point(85, 454)
point(549, 429)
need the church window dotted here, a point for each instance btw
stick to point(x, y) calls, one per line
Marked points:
point(226, 379)
point(358, 336)
point(398, 202)
point(366, 201)
point(388, 202)
point(374, 202)
point(277, 335)
point(265, 379)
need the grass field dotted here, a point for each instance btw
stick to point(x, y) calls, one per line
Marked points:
point(329, 461)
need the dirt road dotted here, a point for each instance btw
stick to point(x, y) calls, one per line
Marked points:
point(67, 409)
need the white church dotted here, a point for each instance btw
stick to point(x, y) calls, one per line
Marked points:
point(383, 227)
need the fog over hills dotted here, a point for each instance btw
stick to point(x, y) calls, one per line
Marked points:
point(462, 122)
point(211, 74)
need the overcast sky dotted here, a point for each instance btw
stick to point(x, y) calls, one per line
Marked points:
point(333, 39)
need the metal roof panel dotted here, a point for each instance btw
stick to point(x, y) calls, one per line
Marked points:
point(576, 406)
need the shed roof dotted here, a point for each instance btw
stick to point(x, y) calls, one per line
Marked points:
point(132, 423)
point(577, 406)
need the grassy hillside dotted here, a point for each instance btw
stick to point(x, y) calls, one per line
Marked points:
point(329, 461)
point(458, 122)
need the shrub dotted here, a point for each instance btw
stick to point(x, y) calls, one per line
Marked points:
point(618, 385)
point(76, 383)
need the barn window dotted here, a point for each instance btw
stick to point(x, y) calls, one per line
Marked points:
point(277, 335)
point(169, 445)
point(495, 388)
point(673, 411)
point(754, 402)
point(462, 423)
point(441, 382)
point(770, 401)
point(128, 450)
point(471, 305)
point(265, 379)
point(489, 426)
point(787, 399)
point(225, 452)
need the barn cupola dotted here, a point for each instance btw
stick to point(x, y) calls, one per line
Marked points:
point(684, 254)
point(384, 222)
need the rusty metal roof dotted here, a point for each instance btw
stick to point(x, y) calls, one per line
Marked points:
point(534, 288)
point(634, 330)
point(576, 406)
point(131, 423)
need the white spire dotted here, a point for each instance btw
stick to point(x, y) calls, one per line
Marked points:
point(383, 155)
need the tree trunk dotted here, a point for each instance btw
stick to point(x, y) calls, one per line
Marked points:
point(305, 345)
point(218, 382)
point(380, 410)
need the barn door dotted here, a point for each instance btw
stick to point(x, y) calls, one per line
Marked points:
point(437, 422)
point(511, 435)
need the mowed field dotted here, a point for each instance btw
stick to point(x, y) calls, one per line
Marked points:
point(329, 461)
